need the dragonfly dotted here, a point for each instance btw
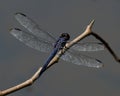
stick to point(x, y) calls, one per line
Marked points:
point(44, 41)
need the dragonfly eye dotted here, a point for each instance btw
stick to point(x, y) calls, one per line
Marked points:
point(65, 35)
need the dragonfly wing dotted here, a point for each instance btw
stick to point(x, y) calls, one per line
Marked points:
point(32, 27)
point(31, 40)
point(88, 46)
point(81, 60)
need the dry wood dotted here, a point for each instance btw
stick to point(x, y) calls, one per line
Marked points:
point(53, 61)
point(31, 80)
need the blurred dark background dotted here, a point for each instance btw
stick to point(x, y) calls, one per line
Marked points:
point(19, 62)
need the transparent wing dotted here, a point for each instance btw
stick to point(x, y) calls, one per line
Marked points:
point(81, 60)
point(32, 27)
point(88, 46)
point(31, 40)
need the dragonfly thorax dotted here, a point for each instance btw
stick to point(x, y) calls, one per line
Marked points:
point(62, 40)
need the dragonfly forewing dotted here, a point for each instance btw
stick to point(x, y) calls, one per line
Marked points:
point(88, 46)
point(31, 40)
point(32, 27)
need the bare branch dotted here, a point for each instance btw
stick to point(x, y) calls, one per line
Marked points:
point(21, 85)
point(53, 61)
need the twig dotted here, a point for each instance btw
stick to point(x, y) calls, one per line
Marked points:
point(31, 80)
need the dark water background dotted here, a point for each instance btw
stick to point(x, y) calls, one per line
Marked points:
point(18, 62)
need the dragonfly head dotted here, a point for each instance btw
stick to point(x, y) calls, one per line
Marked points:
point(65, 35)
